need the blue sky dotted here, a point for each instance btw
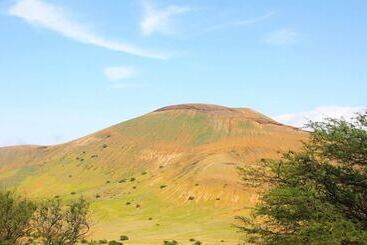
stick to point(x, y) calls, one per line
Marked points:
point(71, 67)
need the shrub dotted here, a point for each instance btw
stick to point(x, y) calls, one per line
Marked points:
point(132, 179)
point(191, 198)
point(137, 206)
point(73, 193)
point(134, 187)
point(83, 241)
point(172, 242)
point(163, 186)
point(192, 240)
point(113, 242)
point(144, 173)
point(197, 243)
point(98, 196)
point(123, 180)
point(104, 146)
point(161, 166)
point(107, 182)
point(104, 241)
point(128, 203)
point(124, 238)
point(150, 218)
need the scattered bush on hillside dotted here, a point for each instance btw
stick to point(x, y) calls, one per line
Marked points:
point(171, 242)
point(84, 241)
point(132, 179)
point(161, 166)
point(134, 187)
point(98, 196)
point(150, 218)
point(107, 182)
point(56, 196)
point(197, 243)
point(163, 186)
point(137, 206)
point(104, 146)
point(124, 238)
point(144, 173)
point(70, 176)
point(196, 184)
point(192, 240)
point(73, 193)
point(128, 203)
point(113, 242)
point(122, 181)
point(191, 198)
point(104, 241)
point(217, 199)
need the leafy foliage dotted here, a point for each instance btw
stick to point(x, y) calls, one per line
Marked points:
point(315, 196)
point(49, 222)
point(15, 217)
point(57, 224)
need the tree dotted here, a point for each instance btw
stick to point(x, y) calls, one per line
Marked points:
point(317, 195)
point(15, 217)
point(58, 224)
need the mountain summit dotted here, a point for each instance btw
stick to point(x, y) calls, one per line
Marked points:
point(169, 174)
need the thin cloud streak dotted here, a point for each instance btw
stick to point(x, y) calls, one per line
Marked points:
point(299, 119)
point(115, 73)
point(283, 36)
point(241, 22)
point(54, 18)
point(159, 20)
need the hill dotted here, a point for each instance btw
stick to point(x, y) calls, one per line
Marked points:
point(169, 174)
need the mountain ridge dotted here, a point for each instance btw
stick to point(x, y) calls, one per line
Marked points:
point(183, 159)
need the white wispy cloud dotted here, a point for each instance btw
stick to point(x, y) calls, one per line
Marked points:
point(115, 73)
point(54, 18)
point(126, 85)
point(244, 22)
point(282, 37)
point(299, 119)
point(159, 20)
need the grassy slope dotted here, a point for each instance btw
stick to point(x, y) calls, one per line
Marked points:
point(193, 153)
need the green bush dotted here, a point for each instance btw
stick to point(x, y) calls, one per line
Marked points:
point(191, 198)
point(171, 242)
point(163, 186)
point(124, 238)
point(98, 196)
point(192, 240)
point(104, 241)
point(122, 181)
point(73, 193)
point(197, 243)
point(144, 173)
point(113, 242)
point(128, 203)
point(132, 179)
